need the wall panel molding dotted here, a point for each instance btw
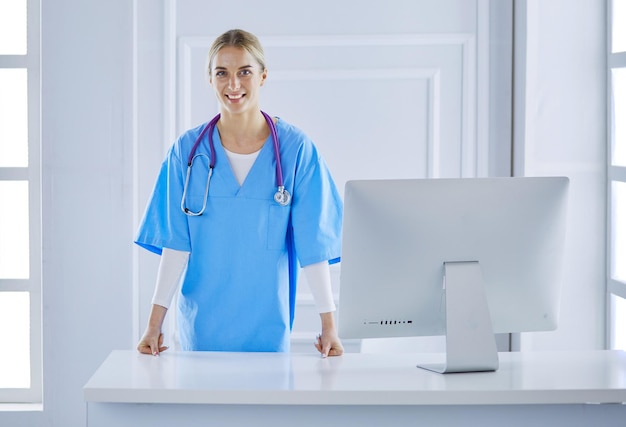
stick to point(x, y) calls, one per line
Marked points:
point(193, 49)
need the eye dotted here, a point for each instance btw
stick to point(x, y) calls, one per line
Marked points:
point(220, 73)
point(245, 72)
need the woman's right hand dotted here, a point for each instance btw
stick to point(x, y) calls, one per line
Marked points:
point(151, 343)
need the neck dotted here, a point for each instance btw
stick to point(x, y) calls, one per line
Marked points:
point(243, 133)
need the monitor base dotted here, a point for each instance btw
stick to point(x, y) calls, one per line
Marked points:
point(470, 341)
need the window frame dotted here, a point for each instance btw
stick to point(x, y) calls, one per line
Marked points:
point(31, 61)
point(615, 288)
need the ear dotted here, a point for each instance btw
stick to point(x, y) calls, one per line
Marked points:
point(263, 77)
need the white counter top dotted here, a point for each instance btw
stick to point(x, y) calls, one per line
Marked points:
point(355, 379)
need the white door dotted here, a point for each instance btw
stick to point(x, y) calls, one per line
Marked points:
point(394, 89)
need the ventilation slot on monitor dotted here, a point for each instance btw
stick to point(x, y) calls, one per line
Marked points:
point(387, 322)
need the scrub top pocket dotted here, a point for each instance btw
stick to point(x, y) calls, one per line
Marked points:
point(277, 222)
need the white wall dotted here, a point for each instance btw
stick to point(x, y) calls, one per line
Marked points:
point(87, 190)
point(564, 134)
point(88, 169)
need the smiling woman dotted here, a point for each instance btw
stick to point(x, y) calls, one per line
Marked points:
point(236, 78)
point(236, 244)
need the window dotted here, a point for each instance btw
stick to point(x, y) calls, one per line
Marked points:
point(20, 206)
point(616, 271)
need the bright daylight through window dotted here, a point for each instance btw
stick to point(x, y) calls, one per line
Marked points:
point(13, 27)
point(618, 149)
point(618, 249)
point(619, 26)
point(616, 201)
point(19, 283)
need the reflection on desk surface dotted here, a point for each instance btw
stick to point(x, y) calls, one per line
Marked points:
point(355, 378)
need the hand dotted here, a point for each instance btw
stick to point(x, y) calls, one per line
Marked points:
point(151, 343)
point(329, 344)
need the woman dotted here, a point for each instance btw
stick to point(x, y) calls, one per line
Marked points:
point(230, 230)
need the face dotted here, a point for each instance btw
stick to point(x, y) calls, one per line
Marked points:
point(236, 78)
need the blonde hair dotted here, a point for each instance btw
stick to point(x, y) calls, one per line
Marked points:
point(237, 38)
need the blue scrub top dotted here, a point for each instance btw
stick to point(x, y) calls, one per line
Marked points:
point(238, 293)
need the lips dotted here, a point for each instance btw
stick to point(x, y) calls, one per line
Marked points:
point(235, 97)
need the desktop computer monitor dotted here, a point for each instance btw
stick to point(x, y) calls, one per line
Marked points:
point(462, 257)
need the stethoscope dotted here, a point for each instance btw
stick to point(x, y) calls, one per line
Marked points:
point(282, 196)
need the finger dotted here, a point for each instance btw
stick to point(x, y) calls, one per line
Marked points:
point(324, 345)
point(157, 347)
point(318, 343)
point(154, 349)
point(326, 349)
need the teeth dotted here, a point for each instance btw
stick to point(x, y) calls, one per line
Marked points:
point(234, 96)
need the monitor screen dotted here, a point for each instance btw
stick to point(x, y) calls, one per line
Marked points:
point(463, 257)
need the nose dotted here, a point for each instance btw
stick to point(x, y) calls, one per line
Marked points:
point(233, 83)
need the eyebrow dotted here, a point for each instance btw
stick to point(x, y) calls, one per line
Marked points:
point(217, 67)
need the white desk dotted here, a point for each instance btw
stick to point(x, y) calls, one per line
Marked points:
point(230, 389)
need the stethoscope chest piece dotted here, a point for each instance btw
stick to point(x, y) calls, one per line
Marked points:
point(282, 196)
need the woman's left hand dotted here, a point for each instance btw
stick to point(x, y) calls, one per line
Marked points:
point(329, 344)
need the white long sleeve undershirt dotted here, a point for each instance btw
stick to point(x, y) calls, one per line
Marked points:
point(173, 264)
point(171, 269)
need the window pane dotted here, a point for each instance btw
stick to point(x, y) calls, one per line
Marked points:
point(618, 244)
point(13, 117)
point(14, 247)
point(619, 26)
point(15, 339)
point(618, 334)
point(12, 27)
point(618, 157)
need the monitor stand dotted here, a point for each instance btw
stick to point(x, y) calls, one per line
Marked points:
point(470, 341)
